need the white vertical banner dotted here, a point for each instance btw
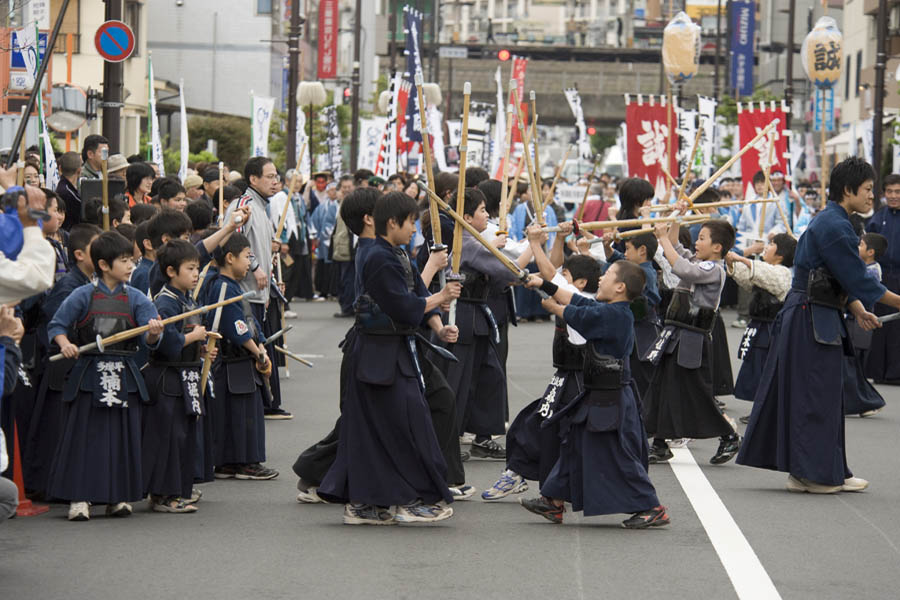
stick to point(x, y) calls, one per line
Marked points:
point(687, 131)
point(37, 11)
point(498, 150)
point(851, 145)
point(185, 147)
point(260, 121)
point(706, 108)
point(620, 142)
point(371, 133)
point(812, 157)
point(867, 141)
point(335, 150)
point(574, 100)
point(155, 141)
point(436, 129)
point(51, 172)
point(303, 145)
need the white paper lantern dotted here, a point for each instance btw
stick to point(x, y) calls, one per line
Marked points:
point(823, 53)
point(681, 49)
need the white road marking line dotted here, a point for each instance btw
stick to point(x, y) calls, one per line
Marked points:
point(746, 573)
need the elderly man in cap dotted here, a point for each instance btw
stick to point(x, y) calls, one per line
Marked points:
point(193, 187)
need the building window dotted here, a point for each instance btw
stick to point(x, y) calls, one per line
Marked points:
point(847, 79)
point(858, 68)
point(264, 7)
point(133, 20)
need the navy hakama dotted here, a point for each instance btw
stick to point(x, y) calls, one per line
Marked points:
point(723, 377)
point(532, 448)
point(859, 395)
point(753, 352)
point(239, 428)
point(797, 423)
point(46, 425)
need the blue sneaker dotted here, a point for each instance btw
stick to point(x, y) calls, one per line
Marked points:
point(419, 512)
point(510, 482)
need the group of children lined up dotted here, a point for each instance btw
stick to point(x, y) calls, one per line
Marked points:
point(135, 419)
point(636, 349)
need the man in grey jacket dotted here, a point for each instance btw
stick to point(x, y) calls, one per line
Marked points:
point(263, 178)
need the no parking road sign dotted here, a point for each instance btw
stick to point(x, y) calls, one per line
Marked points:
point(114, 41)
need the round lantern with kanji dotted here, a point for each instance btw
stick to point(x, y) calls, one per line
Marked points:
point(681, 49)
point(823, 53)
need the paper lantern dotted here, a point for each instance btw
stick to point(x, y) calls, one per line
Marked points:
point(311, 92)
point(681, 48)
point(823, 53)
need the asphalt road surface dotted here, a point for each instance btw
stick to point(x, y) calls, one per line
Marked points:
point(735, 531)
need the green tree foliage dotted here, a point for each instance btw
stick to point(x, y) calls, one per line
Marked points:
point(231, 133)
point(278, 131)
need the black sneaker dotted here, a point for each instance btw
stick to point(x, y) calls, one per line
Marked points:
point(728, 447)
point(745, 419)
point(464, 456)
point(225, 472)
point(660, 453)
point(655, 517)
point(277, 414)
point(255, 471)
point(542, 506)
point(719, 403)
point(488, 449)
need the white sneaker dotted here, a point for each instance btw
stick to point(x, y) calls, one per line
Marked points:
point(799, 486)
point(869, 413)
point(120, 509)
point(509, 482)
point(419, 512)
point(854, 484)
point(289, 314)
point(739, 323)
point(462, 492)
point(310, 496)
point(79, 511)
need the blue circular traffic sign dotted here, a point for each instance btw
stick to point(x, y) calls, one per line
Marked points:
point(114, 41)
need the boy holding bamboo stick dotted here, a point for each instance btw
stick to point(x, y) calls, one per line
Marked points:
point(98, 459)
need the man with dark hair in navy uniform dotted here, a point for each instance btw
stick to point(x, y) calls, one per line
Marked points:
point(797, 424)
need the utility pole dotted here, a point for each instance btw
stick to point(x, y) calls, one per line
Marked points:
point(789, 76)
point(435, 34)
point(354, 119)
point(880, 60)
point(113, 85)
point(290, 145)
point(718, 50)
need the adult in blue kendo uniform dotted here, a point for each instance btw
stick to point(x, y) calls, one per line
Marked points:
point(797, 424)
point(883, 361)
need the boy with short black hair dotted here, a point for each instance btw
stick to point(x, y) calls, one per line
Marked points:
point(143, 212)
point(680, 401)
point(140, 277)
point(98, 459)
point(640, 250)
point(602, 465)
point(860, 397)
point(118, 212)
point(171, 418)
point(240, 375)
point(478, 377)
point(388, 454)
point(172, 195)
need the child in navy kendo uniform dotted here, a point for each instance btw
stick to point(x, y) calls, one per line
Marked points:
point(388, 454)
point(46, 419)
point(531, 449)
point(602, 465)
point(172, 416)
point(240, 373)
point(98, 458)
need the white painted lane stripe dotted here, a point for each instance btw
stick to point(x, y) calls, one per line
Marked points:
point(747, 574)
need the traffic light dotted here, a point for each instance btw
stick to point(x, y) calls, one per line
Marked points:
point(592, 130)
point(347, 94)
point(503, 55)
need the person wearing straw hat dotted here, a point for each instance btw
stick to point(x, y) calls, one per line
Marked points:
point(116, 166)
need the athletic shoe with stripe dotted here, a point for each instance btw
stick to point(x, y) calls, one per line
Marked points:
point(510, 482)
point(655, 517)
